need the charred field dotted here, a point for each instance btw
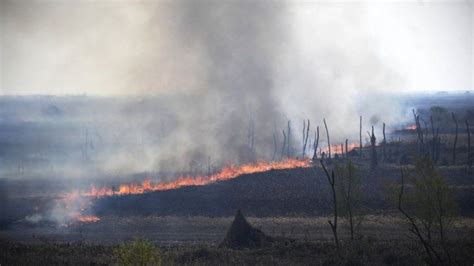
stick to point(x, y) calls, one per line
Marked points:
point(236, 132)
point(185, 218)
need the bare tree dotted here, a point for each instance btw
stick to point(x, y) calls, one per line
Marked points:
point(329, 142)
point(350, 191)
point(373, 160)
point(384, 143)
point(305, 137)
point(455, 138)
point(419, 132)
point(333, 224)
point(346, 148)
point(316, 143)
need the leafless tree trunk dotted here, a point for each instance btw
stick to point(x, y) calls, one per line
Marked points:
point(316, 143)
point(419, 132)
point(384, 144)
point(305, 137)
point(424, 132)
point(455, 138)
point(469, 154)
point(333, 223)
point(360, 138)
point(304, 130)
point(373, 161)
point(329, 142)
point(346, 148)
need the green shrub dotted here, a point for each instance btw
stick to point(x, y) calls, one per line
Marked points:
point(138, 252)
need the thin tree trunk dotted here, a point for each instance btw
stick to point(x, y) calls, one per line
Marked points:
point(302, 141)
point(346, 149)
point(419, 132)
point(305, 138)
point(373, 160)
point(316, 143)
point(384, 143)
point(333, 223)
point(329, 142)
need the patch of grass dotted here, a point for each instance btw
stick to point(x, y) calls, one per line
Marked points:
point(138, 252)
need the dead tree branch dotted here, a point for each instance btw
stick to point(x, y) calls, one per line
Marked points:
point(373, 161)
point(384, 144)
point(329, 142)
point(346, 148)
point(333, 223)
point(305, 137)
point(316, 143)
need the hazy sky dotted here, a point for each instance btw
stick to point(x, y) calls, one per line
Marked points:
point(150, 47)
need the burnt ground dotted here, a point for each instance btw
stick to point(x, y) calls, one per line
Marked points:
point(299, 192)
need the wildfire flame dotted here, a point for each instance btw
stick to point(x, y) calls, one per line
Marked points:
point(338, 149)
point(226, 173)
point(77, 201)
point(87, 219)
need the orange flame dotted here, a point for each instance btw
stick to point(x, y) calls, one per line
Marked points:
point(410, 127)
point(226, 173)
point(338, 149)
point(87, 219)
point(76, 202)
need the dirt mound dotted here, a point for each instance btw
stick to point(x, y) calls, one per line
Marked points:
point(242, 235)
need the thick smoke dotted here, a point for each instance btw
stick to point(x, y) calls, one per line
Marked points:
point(206, 76)
point(236, 43)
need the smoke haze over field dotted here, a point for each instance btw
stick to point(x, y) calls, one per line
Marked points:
point(200, 72)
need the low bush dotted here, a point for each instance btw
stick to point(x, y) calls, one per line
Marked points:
point(138, 252)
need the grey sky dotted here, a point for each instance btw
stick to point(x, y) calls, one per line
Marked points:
point(138, 47)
